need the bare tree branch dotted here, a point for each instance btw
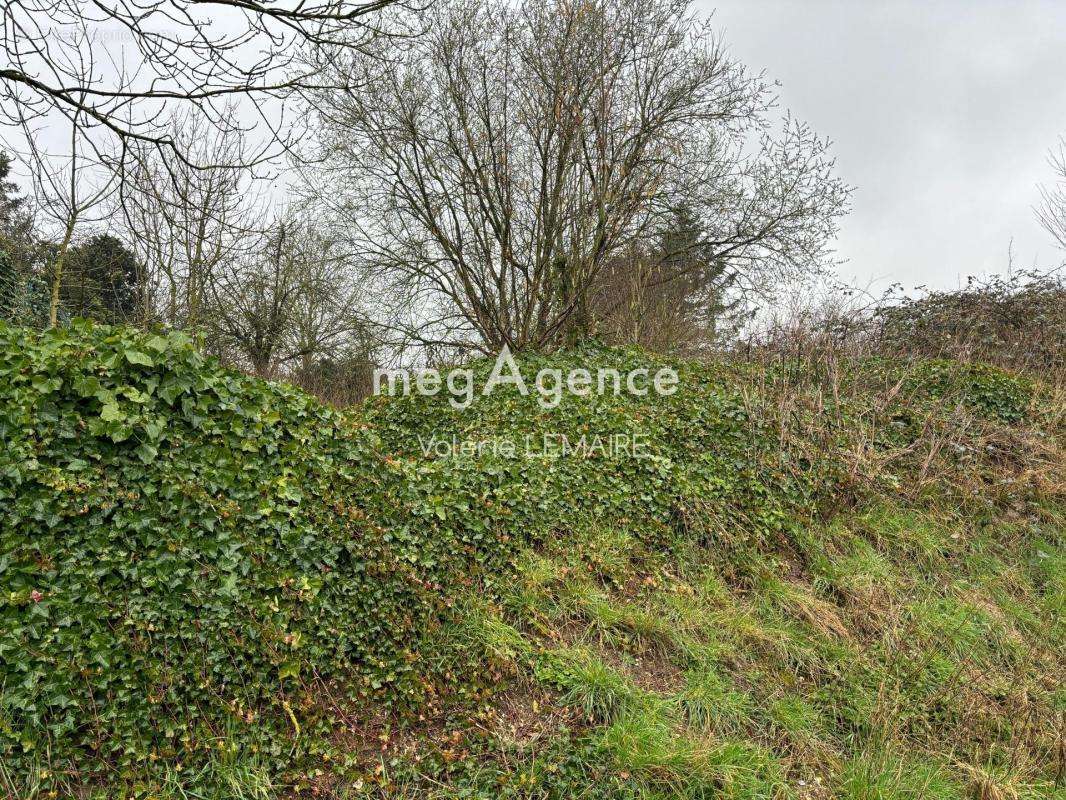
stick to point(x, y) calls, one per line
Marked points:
point(1052, 211)
point(491, 168)
point(177, 56)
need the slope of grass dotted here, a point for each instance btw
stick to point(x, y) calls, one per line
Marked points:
point(943, 685)
point(215, 587)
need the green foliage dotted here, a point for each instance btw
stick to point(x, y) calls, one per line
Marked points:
point(988, 391)
point(709, 702)
point(565, 766)
point(23, 295)
point(707, 454)
point(202, 569)
point(183, 545)
point(888, 776)
point(587, 683)
point(645, 744)
point(8, 284)
point(100, 277)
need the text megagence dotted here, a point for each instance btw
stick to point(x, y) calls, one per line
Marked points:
point(549, 384)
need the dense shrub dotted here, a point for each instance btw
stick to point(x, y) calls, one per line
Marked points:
point(986, 390)
point(178, 548)
point(1017, 321)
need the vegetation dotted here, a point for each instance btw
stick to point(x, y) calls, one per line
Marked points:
point(631, 175)
point(499, 209)
point(1017, 321)
point(831, 564)
point(163, 556)
point(22, 294)
point(825, 580)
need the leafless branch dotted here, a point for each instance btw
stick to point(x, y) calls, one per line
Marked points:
point(1052, 211)
point(490, 169)
point(156, 58)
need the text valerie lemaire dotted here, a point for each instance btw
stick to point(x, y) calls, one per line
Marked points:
point(547, 445)
point(550, 385)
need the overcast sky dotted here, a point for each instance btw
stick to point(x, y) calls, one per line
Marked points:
point(941, 114)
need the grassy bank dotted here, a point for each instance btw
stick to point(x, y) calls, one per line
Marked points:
point(827, 578)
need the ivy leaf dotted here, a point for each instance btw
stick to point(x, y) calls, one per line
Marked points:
point(137, 357)
point(146, 452)
point(46, 385)
point(153, 428)
point(136, 395)
point(87, 385)
point(112, 413)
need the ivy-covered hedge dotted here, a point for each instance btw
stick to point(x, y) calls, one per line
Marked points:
point(178, 547)
point(189, 556)
point(986, 390)
point(185, 549)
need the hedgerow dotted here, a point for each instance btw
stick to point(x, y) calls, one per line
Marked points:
point(179, 548)
point(185, 547)
point(193, 559)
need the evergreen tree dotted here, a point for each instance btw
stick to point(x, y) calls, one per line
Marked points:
point(701, 281)
point(102, 280)
point(8, 283)
point(18, 253)
point(9, 204)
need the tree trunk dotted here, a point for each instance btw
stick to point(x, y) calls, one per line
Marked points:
point(57, 274)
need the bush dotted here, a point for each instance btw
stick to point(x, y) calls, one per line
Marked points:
point(1017, 321)
point(180, 549)
point(985, 390)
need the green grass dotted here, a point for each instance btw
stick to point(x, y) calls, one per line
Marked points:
point(782, 685)
point(796, 717)
point(884, 775)
point(648, 747)
point(748, 614)
point(710, 703)
point(586, 682)
point(780, 678)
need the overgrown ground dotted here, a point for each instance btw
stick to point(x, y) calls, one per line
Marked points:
point(898, 653)
point(833, 578)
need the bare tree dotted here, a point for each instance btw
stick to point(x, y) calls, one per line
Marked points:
point(253, 302)
point(328, 314)
point(1052, 211)
point(194, 56)
point(288, 303)
point(67, 189)
point(493, 167)
point(186, 222)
